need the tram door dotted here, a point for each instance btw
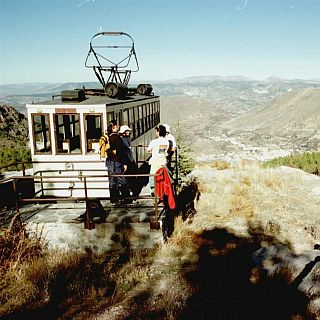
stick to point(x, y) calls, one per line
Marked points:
point(93, 132)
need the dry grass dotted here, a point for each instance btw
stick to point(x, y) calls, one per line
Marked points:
point(16, 246)
point(75, 281)
point(241, 204)
point(246, 181)
point(18, 256)
point(280, 201)
point(182, 237)
point(220, 164)
point(32, 277)
point(249, 164)
point(274, 183)
point(216, 164)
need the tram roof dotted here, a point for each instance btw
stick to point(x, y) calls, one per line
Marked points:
point(96, 99)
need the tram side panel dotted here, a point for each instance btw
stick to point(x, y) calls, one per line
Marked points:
point(71, 179)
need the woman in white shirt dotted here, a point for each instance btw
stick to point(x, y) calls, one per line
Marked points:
point(158, 148)
point(172, 146)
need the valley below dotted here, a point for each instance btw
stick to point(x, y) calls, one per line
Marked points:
point(286, 125)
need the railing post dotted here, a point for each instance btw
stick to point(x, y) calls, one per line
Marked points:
point(41, 184)
point(155, 223)
point(177, 171)
point(14, 184)
point(88, 224)
point(137, 156)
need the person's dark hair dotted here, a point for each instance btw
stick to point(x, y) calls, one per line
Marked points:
point(162, 131)
point(112, 123)
point(109, 129)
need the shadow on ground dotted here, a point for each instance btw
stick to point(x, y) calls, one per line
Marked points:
point(226, 288)
point(223, 284)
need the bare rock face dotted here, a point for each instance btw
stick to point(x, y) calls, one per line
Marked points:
point(13, 126)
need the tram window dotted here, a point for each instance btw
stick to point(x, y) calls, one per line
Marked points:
point(41, 133)
point(150, 115)
point(118, 117)
point(125, 117)
point(141, 120)
point(157, 112)
point(146, 114)
point(110, 116)
point(136, 118)
point(93, 127)
point(132, 123)
point(67, 133)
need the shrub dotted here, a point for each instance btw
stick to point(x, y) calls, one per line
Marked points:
point(12, 155)
point(308, 161)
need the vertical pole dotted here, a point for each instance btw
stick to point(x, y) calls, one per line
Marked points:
point(14, 183)
point(177, 171)
point(41, 184)
point(137, 156)
point(155, 204)
point(87, 223)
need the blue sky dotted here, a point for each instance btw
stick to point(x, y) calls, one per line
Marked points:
point(48, 40)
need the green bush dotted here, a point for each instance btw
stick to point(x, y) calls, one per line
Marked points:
point(12, 155)
point(308, 161)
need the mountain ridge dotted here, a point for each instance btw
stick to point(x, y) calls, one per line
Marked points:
point(244, 93)
point(298, 109)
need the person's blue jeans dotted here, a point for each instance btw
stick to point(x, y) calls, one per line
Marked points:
point(118, 186)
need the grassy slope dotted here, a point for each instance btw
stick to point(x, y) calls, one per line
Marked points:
point(206, 269)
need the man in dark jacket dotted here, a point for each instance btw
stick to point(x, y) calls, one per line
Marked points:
point(126, 157)
point(118, 185)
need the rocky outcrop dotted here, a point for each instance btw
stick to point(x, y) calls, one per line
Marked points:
point(13, 126)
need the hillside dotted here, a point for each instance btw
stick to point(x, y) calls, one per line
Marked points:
point(291, 111)
point(13, 127)
point(245, 249)
point(192, 113)
point(288, 124)
point(246, 252)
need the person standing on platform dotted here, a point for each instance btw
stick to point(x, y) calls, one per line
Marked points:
point(118, 186)
point(126, 158)
point(172, 146)
point(158, 148)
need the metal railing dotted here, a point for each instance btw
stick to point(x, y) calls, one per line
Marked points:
point(28, 164)
point(80, 181)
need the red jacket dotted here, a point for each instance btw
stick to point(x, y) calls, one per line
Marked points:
point(163, 187)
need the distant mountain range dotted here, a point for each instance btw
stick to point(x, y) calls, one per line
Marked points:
point(234, 94)
point(18, 95)
point(297, 110)
point(227, 117)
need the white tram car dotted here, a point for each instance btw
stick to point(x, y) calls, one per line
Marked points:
point(64, 138)
point(65, 131)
